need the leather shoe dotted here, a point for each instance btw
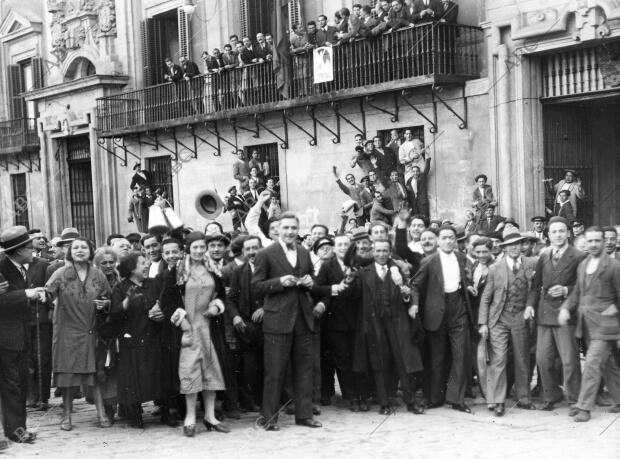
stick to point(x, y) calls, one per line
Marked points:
point(26, 437)
point(385, 410)
point(462, 407)
point(430, 406)
point(308, 423)
point(500, 409)
point(189, 431)
point(573, 410)
point(364, 406)
point(355, 406)
point(582, 416)
point(547, 406)
point(526, 405)
point(614, 409)
point(415, 408)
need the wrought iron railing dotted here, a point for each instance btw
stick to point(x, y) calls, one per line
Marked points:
point(17, 134)
point(419, 51)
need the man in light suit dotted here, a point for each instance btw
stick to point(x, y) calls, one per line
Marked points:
point(554, 280)
point(596, 298)
point(441, 287)
point(283, 275)
point(15, 317)
point(501, 320)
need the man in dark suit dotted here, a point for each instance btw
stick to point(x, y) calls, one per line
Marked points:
point(41, 338)
point(15, 320)
point(501, 321)
point(339, 324)
point(383, 158)
point(417, 186)
point(39, 244)
point(427, 10)
point(396, 191)
point(596, 299)
point(283, 276)
point(172, 72)
point(244, 309)
point(262, 49)
point(330, 31)
point(251, 196)
point(441, 288)
point(490, 223)
point(450, 12)
point(556, 274)
point(384, 340)
point(564, 208)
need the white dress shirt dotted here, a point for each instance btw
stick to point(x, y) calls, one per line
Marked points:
point(592, 265)
point(381, 270)
point(291, 255)
point(154, 269)
point(480, 271)
point(450, 270)
point(511, 262)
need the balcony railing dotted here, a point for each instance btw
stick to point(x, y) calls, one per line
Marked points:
point(18, 135)
point(424, 51)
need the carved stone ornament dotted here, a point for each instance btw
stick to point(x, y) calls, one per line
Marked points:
point(609, 65)
point(107, 18)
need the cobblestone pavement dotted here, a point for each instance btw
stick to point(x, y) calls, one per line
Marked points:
point(441, 432)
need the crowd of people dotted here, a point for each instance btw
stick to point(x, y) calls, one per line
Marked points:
point(236, 81)
point(264, 318)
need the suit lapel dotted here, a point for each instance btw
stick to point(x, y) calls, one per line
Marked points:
point(563, 262)
point(439, 271)
point(281, 257)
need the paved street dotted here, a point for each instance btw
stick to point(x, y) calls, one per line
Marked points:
point(439, 433)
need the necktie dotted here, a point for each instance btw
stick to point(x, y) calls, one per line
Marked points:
point(23, 272)
point(515, 268)
point(252, 266)
point(290, 247)
point(383, 272)
point(555, 258)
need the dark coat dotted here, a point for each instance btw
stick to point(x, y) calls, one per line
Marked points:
point(486, 228)
point(214, 63)
point(261, 52)
point(282, 304)
point(171, 298)
point(402, 250)
point(175, 73)
point(190, 69)
point(36, 278)
point(330, 34)
point(428, 290)
point(139, 367)
point(386, 161)
point(418, 200)
point(565, 211)
point(398, 19)
point(592, 297)
point(450, 12)
point(15, 312)
point(138, 179)
point(341, 313)
point(418, 7)
point(546, 276)
point(370, 339)
point(243, 302)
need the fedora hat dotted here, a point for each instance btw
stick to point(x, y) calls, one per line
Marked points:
point(68, 235)
point(511, 236)
point(14, 237)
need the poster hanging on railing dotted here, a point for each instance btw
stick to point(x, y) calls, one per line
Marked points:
point(323, 64)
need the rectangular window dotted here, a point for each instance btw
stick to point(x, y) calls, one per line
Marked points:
point(81, 186)
point(20, 200)
point(256, 17)
point(386, 134)
point(267, 153)
point(161, 173)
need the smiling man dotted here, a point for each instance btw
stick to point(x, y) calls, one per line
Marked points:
point(152, 250)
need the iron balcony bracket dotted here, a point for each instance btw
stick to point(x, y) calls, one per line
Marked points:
point(313, 139)
point(158, 145)
point(255, 132)
point(462, 119)
point(393, 115)
point(336, 133)
point(27, 165)
point(141, 142)
point(102, 142)
point(336, 108)
point(215, 131)
point(196, 137)
point(283, 140)
point(433, 128)
point(177, 142)
point(120, 142)
point(36, 161)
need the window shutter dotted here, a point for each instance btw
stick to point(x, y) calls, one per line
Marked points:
point(245, 20)
point(38, 69)
point(15, 88)
point(294, 13)
point(185, 37)
point(152, 59)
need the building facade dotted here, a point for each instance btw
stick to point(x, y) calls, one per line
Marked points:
point(479, 94)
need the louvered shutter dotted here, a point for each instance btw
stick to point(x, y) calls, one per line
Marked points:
point(146, 53)
point(17, 104)
point(245, 20)
point(152, 59)
point(38, 69)
point(294, 13)
point(185, 37)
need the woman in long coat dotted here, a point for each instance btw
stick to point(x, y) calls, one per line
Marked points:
point(80, 291)
point(135, 308)
point(202, 366)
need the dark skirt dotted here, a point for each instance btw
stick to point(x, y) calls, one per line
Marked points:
point(138, 373)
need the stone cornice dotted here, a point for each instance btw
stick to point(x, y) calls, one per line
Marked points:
point(82, 84)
